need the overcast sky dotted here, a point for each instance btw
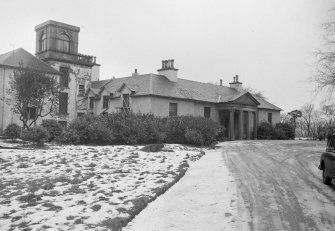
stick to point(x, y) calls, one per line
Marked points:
point(268, 43)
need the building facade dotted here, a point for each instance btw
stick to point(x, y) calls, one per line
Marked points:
point(162, 94)
point(165, 94)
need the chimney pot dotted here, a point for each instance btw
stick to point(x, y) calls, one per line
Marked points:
point(220, 82)
point(236, 78)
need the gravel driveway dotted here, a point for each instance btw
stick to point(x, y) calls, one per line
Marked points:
point(279, 186)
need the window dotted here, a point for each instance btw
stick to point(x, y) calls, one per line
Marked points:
point(91, 102)
point(31, 112)
point(105, 99)
point(63, 100)
point(63, 43)
point(64, 78)
point(173, 109)
point(43, 42)
point(207, 112)
point(270, 118)
point(63, 124)
point(81, 90)
point(80, 114)
point(125, 100)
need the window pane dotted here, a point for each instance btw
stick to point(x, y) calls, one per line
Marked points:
point(64, 78)
point(63, 101)
point(105, 101)
point(81, 89)
point(270, 118)
point(125, 100)
point(91, 102)
point(207, 112)
point(173, 109)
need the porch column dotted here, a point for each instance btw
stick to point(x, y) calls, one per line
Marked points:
point(255, 124)
point(231, 125)
point(240, 124)
point(248, 125)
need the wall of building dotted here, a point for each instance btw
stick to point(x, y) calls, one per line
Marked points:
point(263, 116)
point(78, 75)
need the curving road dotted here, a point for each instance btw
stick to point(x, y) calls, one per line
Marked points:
point(279, 186)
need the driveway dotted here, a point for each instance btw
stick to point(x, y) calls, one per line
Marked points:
point(247, 185)
point(279, 186)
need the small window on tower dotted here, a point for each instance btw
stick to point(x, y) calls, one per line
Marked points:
point(63, 43)
point(43, 42)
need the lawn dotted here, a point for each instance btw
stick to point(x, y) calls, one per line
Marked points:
point(84, 187)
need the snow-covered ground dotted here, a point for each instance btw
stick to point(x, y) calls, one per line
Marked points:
point(204, 199)
point(84, 187)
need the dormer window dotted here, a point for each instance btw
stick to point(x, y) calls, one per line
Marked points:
point(63, 43)
point(43, 42)
point(126, 103)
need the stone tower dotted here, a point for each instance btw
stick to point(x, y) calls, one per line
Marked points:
point(57, 45)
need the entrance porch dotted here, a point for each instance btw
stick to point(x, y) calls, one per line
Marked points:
point(239, 123)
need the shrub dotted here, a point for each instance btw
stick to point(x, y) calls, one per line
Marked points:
point(53, 127)
point(36, 134)
point(134, 128)
point(193, 137)
point(68, 137)
point(265, 131)
point(288, 130)
point(13, 131)
point(89, 129)
point(176, 128)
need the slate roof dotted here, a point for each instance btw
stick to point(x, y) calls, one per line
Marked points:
point(266, 105)
point(16, 57)
point(159, 85)
point(152, 84)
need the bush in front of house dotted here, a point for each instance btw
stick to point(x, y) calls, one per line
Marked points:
point(288, 130)
point(176, 128)
point(265, 131)
point(68, 136)
point(12, 131)
point(53, 127)
point(131, 128)
point(36, 134)
point(91, 130)
point(137, 128)
point(282, 131)
point(194, 137)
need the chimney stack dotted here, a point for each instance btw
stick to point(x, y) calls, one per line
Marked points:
point(135, 73)
point(236, 84)
point(168, 70)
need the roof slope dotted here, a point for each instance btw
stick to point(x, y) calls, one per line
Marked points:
point(266, 105)
point(19, 57)
point(159, 85)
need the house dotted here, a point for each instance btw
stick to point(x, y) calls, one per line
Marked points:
point(9, 62)
point(162, 94)
point(165, 94)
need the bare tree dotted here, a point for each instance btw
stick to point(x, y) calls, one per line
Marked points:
point(325, 72)
point(308, 115)
point(33, 95)
point(255, 92)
